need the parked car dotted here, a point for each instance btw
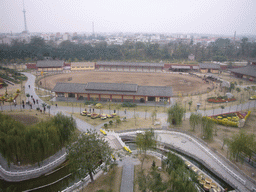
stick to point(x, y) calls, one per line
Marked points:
point(103, 117)
point(95, 115)
point(83, 113)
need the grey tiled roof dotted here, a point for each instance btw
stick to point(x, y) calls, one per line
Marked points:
point(209, 66)
point(160, 91)
point(131, 64)
point(50, 63)
point(249, 70)
point(111, 87)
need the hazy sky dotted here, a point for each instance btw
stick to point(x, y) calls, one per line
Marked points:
point(163, 16)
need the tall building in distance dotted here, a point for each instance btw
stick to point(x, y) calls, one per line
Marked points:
point(25, 22)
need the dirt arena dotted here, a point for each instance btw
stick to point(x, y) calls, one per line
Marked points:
point(179, 83)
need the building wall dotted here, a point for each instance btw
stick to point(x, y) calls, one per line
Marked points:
point(214, 71)
point(203, 70)
point(82, 66)
point(50, 69)
point(115, 98)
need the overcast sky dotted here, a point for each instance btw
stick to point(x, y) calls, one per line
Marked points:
point(160, 16)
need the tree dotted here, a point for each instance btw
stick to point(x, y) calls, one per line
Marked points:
point(87, 152)
point(207, 126)
point(28, 95)
point(181, 179)
point(118, 121)
point(195, 120)
point(153, 116)
point(241, 143)
point(238, 90)
point(190, 103)
point(222, 107)
point(175, 114)
point(151, 181)
point(232, 86)
point(144, 142)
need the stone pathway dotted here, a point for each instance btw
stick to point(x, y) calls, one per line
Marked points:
point(128, 163)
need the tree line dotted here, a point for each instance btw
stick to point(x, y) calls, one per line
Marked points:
point(30, 144)
point(220, 50)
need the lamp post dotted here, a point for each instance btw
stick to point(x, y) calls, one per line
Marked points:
point(49, 107)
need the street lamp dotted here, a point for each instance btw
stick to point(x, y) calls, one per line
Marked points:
point(49, 107)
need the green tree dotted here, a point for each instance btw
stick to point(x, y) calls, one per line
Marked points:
point(222, 107)
point(153, 116)
point(87, 152)
point(241, 143)
point(190, 103)
point(194, 120)
point(144, 142)
point(207, 126)
point(28, 95)
point(238, 90)
point(181, 179)
point(175, 114)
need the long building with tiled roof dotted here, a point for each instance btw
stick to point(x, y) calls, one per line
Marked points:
point(209, 67)
point(50, 65)
point(247, 72)
point(116, 92)
point(129, 66)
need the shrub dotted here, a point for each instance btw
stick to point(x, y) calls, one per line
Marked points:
point(110, 122)
point(105, 125)
point(128, 104)
point(90, 102)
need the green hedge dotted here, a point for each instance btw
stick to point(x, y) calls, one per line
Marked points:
point(127, 104)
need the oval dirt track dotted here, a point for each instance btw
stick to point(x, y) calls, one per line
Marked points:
point(178, 82)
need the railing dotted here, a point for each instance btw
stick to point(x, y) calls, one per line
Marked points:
point(33, 171)
point(82, 181)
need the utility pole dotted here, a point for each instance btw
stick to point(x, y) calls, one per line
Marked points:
point(25, 22)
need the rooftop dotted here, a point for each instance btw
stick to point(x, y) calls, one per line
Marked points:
point(209, 66)
point(113, 88)
point(249, 70)
point(131, 64)
point(50, 63)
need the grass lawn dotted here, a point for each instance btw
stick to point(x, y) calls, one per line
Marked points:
point(104, 183)
point(27, 117)
point(94, 122)
point(127, 124)
point(130, 124)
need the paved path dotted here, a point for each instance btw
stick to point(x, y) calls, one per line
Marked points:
point(128, 173)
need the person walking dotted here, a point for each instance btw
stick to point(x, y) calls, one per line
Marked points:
point(56, 105)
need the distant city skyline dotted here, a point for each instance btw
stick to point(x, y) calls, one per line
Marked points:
point(219, 17)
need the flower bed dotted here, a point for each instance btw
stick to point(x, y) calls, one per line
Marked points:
point(220, 99)
point(230, 119)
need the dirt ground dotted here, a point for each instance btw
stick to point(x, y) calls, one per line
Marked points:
point(179, 83)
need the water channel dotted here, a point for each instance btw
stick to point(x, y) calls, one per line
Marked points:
point(57, 174)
